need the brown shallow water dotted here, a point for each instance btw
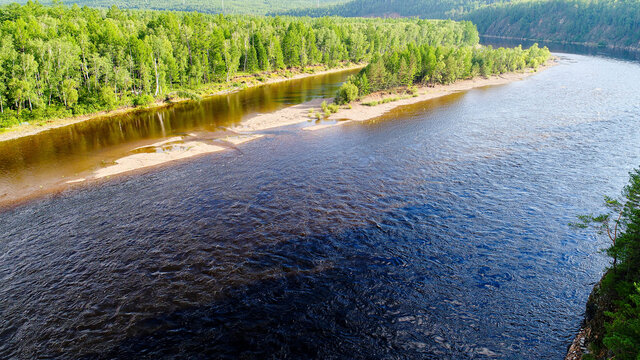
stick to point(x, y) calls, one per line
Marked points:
point(437, 231)
point(47, 160)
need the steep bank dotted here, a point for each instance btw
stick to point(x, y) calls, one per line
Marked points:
point(591, 333)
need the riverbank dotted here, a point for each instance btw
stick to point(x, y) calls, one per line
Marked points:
point(241, 82)
point(592, 328)
point(374, 105)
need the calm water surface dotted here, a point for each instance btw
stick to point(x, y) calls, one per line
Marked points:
point(438, 231)
point(53, 157)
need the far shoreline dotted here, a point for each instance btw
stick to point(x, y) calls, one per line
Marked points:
point(26, 130)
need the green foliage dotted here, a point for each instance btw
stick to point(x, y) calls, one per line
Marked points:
point(443, 65)
point(623, 332)
point(622, 226)
point(256, 7)
point(143, 100)
point(88, 60)
point(596, 22)
point(186, 94)
point(442, 9)
point(347, 93)
point(108, 97)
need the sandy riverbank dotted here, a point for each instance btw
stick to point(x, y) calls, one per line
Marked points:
point(358, 111)
point(248, 81)
point(163, 152)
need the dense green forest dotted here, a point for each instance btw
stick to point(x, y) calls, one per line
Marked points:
point(60, 61)
point(207, 6)
point(430, 65)
point(601, 22)
point(436, 9)
point(613, 311)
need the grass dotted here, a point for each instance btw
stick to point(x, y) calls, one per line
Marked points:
point(387, 100)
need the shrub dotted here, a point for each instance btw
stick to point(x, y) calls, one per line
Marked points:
point(108, 97)
point(185, 94)
point(346, 93)
point(143, 100)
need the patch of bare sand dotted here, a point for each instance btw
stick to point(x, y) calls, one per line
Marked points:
point(173, 149)
point(288, 116)
point(241, 139)
point(144, 160)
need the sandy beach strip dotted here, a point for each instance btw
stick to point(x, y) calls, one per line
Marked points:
point(361, 112)
point(358, 111)
point(176, 148)
point(288, 116)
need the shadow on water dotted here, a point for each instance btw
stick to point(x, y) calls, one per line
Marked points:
point(436, 234)
point(358, 291)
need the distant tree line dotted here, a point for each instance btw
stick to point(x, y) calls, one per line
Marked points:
point(57, 61)
point(429, 65)
point(601, 22)
point(254, 7)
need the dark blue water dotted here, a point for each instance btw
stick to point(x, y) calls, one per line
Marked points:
point(438, 231)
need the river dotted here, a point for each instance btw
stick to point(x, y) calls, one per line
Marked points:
point(438, 231)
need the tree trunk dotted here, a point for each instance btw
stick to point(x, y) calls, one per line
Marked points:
point(155, 66)
point(246, 49)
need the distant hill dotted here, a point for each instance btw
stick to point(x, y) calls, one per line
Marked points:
point(254, 7)
point(614, 23)
point(390, 8)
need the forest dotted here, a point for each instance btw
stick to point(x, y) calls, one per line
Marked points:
point(58, 61)
point(594, 22)
point(613, 309)
point(255, 7)
point(602, 23)
point(429, 65)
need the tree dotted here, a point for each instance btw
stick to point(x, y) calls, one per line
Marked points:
point(69, 92)
point(346, 93)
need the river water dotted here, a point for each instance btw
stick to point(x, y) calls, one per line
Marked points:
point(49, 159)
point(438, 231)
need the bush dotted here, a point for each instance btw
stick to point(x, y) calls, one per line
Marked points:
point(185, 94)
point(623, 333)
point(143, 100)
point(347, 93)
point(108, 97)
